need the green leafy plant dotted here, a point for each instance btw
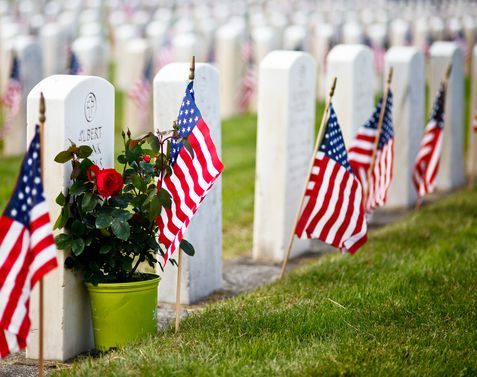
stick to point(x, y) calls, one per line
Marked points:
point(110, 218)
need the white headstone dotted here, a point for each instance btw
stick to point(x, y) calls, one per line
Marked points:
point(422, 34)
point(186, 45)
point(286, 120)
point(325, 34)
point(156, 33)
point(80, 109)
point(472, 163)
point(8, 32)
point(451, 168)
point(408, 87)
point(136, 56)
point(30, 64)
point(378, 34)
point(122, 34)
point(93, 55)
point(54, 46)
point(354, 95)
point(470, 31)
point(201, 274)
point(400, 33)
point(295, 38)
point(230, 63)
point(91, 29)
point(353, 33)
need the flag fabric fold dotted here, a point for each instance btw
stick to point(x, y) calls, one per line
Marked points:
point(361, 153)
point(27, 251)
point(12, 98)
point(333, 210)
point(193, 175)
point(428, 157)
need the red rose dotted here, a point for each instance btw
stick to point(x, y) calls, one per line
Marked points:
point(146, 158)
point(92, 172)
point(109, 182)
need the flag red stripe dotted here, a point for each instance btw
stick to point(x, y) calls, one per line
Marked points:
point(349, 213)
point(43, 270)
point(327, 197)
point(337, 209)
point(305, 216)
point(12, 258)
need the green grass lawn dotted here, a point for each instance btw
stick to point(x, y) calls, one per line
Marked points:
point(406, 304)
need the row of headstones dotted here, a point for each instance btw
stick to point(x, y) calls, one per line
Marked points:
point(81, 109)
point(136, 42)
point(51, 54)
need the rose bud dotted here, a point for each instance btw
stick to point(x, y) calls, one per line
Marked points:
point(109, 182)
point(146, 158)
point(92, 172)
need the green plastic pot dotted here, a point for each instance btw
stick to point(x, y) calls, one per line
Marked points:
point(123, 312)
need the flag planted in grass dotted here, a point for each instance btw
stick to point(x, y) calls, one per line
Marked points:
point(249, 81)
point(333, 211)
point(426, 165)
point(27, 251)
point(361, 155)
point(12, 97)
point(195, 167)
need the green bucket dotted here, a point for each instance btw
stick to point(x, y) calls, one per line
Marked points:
point(123, 312)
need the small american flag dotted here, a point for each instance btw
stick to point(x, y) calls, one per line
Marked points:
point(165, 54)
point(426, 165)
point(379, 53)
point(334, 211)
point(140, 93)
point(249, 82)
point(361, 153)
point(74, 66)
point(27, 251)
point(192, 175)
point(12, 97)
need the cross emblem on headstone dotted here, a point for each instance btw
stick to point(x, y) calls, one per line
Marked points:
point(90, 107)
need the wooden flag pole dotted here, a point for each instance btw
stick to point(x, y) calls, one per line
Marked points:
point(445, 83)
point(179, 263)
point(42, 120)
point(378, 133)
point(178, 290)
point(315, 150)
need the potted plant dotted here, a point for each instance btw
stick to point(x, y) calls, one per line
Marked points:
point(109, 228)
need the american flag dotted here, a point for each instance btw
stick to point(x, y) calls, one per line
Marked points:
point(165, 54)
point(333, 211)
point(140, 92)
point(379, 53)
point(249, 82)
point(192, 175)
point(361, 153)
point(12, 97)
point(27, 251)
point(74, 66)
point(426, 165)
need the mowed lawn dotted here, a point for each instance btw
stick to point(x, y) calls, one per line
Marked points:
point(406, 304)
